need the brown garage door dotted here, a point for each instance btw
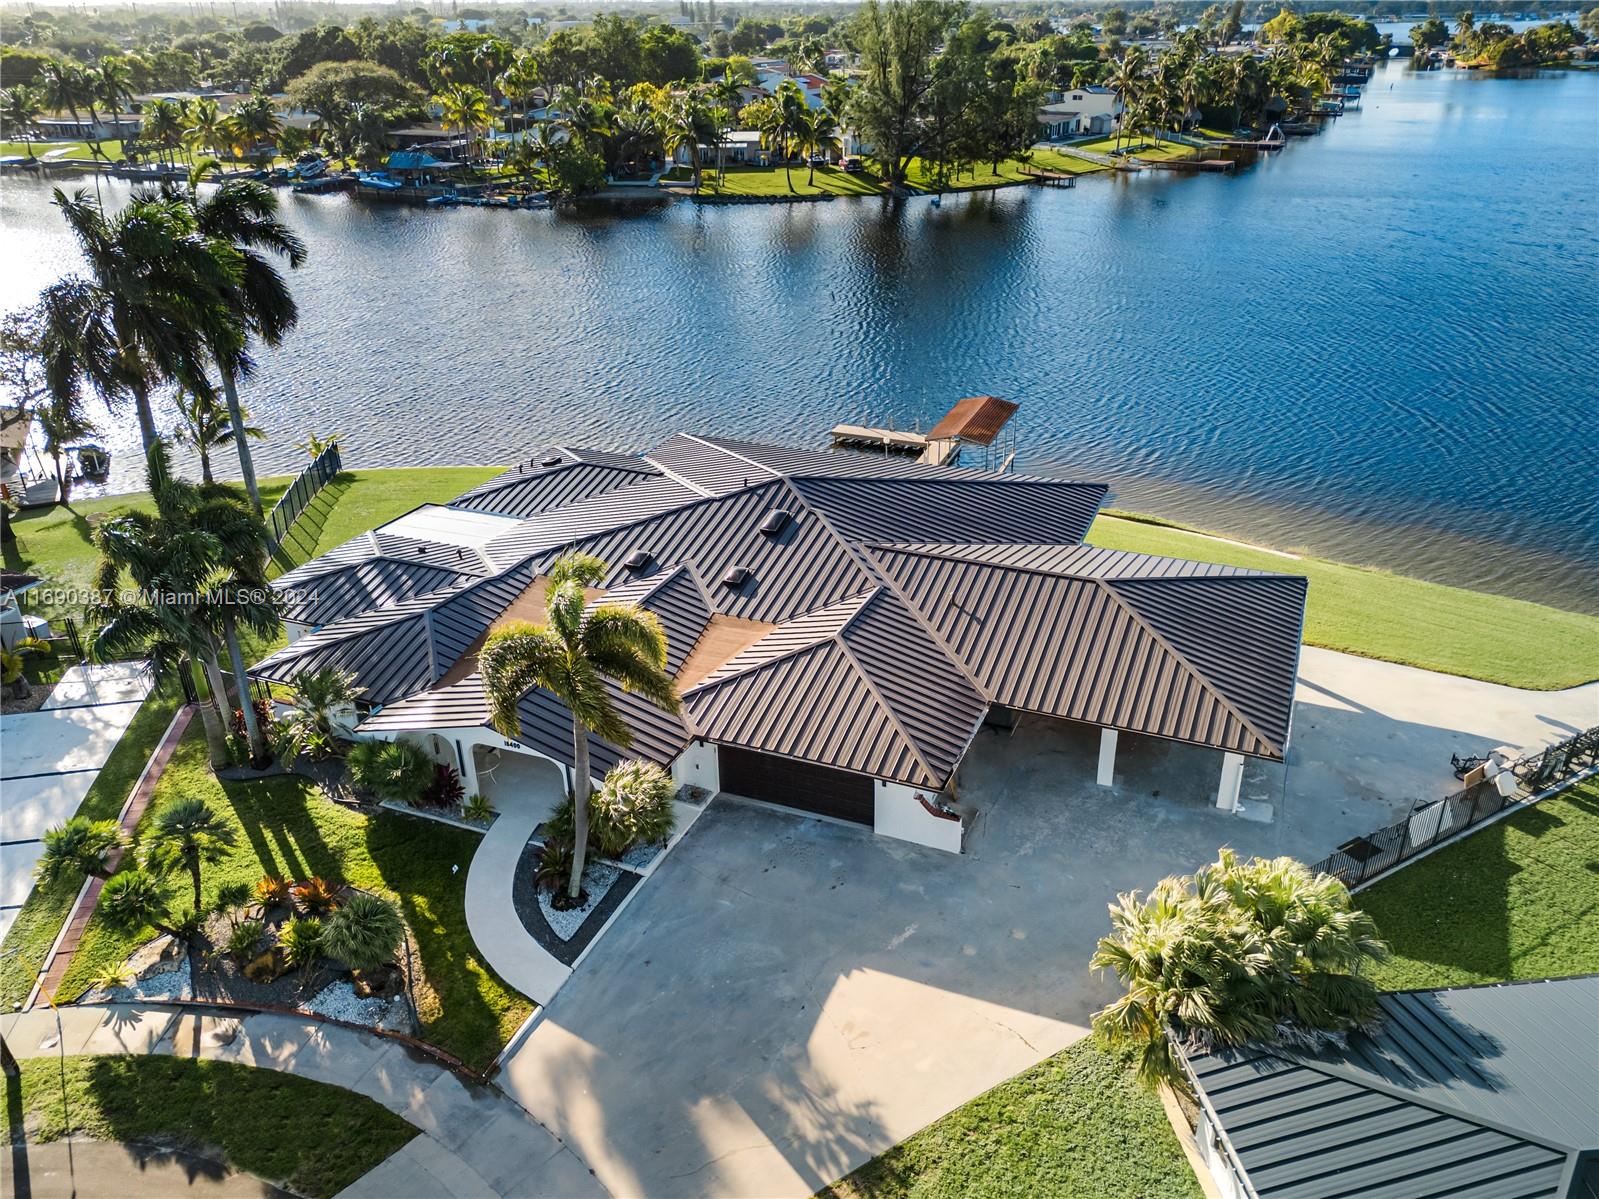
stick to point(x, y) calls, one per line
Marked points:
point(810, 788)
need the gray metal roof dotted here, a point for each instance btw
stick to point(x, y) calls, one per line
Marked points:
point(1483, 1092)
point(904, 599)
point(348, 590)
point(1207, 659)
point(533, 487)
point(895, 706)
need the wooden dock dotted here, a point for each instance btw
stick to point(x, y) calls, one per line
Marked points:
point(1194, 164)
point(892, 441)
point(1050, 178)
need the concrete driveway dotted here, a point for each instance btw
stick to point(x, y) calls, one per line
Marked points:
point(788, 996)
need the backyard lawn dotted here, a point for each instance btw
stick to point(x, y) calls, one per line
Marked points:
point(283, 826)
point(46, 909)
point(1381, 615)
point(770, 181)
point(1077, 1125)
point(1516, 900)
point(309, 1137)
point(110, 150)
point(1138, 147)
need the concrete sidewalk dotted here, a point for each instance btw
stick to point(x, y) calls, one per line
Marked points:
point(472, 1140)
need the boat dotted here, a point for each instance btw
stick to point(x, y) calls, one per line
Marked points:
point(378, 182)
point(94, 461)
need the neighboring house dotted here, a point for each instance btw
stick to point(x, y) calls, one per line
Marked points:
point(82, 129)
point(1487, 1092)
point(743, 148)
point(770, 79)
point(840, 625)
point(1079, 112)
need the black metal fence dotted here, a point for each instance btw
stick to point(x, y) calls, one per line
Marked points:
point(300, 494)
point(1364, 858)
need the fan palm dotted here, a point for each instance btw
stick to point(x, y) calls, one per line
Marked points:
point(365, 933)
point(1237, 951)
point(685, 126)
point(572, 655)
point(319, 695)
point(80, 846)
point(241, 215)
point(184, 836)
point(202, 121)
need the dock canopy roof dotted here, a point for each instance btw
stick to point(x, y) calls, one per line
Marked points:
point(852, 610)
point(1482, 1092)
point(977, 419)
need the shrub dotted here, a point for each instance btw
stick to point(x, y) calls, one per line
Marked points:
point(633, 807)
point(315, 896)
point(113, 976)
point(554, 868)
point(444, 790)
point(301, 940)
point(263, 717)
point(272, 891)
point(80, 846)
point(230, 899)
point(477, 807)
point(365, 933)
point(244, 938)
point(132, 899)
point(396, 770)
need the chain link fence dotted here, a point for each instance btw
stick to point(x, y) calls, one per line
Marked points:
point(1364, 858)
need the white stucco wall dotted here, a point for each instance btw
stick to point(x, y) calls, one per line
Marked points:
point(698, 766)
point(897, 812)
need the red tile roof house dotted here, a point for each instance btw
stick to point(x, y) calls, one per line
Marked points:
point(840, 624)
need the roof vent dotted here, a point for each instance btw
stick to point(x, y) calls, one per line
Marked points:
point(550, 460)
point(638, 560)
point(776, 521)
point(736, 577)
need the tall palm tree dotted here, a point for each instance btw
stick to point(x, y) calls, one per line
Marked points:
point(256, 122)
point(157, 297)
point(20, 109)
point(818, 135)
point(1236, 951)
point(184, 836)
point(685, 126)
point(1127, 81)
point(572, 655)
point(58, 407)
point(465, 108)
point(202, 125)
point(241, 215)
point(793, 115)
point(163, 125)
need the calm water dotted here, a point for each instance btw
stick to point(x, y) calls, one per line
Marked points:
point(1379, 344)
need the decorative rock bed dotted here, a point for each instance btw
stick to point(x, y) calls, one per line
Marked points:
point(607, 885)
point(340, 1002)
point(598, 878)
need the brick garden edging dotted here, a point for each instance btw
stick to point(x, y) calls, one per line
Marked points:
point(66, 945)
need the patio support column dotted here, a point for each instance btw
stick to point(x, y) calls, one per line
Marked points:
point(466, 755)
point(1107, 758)
point(1232, 778)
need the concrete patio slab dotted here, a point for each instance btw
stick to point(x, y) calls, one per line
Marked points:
point(34, 804)
point(63, 739)
point(86, 685)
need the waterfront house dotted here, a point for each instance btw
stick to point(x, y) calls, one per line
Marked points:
point(1490, 1092)
point(1079, 112)
point(106, 127)
point(840, 625)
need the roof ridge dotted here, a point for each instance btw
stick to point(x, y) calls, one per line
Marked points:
point(711, 680)
point(873, 570)
point(923, 549)
point(888, 708)
point(1226, 702)
point(748, 461)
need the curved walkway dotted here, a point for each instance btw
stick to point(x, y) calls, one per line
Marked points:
point(472, 1141)
point(491, 914)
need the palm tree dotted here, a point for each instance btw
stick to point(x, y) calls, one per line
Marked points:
point(132, 899)
point(585, 111)
point(1127, 81)
point(319, 695)
point(241, 215)
point(1237, 951)
point(572, 655)
point(818, 135)
point(202, 125)
point(80, 846)
point(157, 297)
point(793, 115)
point(20, 109)
point(256, 122)
point(464, 108)
point(163, 125)
point(59, 407)
point(203, 426)
point(114, 84)
point(183, 836)
point(365, 933)
point(685, 126)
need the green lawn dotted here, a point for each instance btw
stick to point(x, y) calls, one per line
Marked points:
point(54, 543)
point(309, 1137)
point(1076, 1125)
point(1147, 148)
point(1381, 615)
point(284, 827)
point(47, 908)
point(110, 150)
point(1516, 900)
point(770, 181)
